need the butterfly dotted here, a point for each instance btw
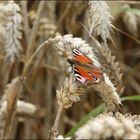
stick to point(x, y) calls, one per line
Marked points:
point(84, 69)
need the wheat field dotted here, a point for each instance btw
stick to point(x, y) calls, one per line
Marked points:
point(69, 69)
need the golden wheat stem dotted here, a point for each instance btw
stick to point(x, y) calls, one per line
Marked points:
point(9, 125)
point(25, 21)
point(7, 68)
point(32, 57)
point(54, 130)
point(11, 118)
point(56, 123)
point(63, 16)
point(30, 48)
point(11, 115)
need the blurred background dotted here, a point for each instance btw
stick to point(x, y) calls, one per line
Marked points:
point(47, 72)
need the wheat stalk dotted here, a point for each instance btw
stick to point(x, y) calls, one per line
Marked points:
point(30, 48)
point(12, 95)
point(66, 96)
point(25, 21)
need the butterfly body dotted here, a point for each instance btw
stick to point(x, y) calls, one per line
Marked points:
point(84, 69)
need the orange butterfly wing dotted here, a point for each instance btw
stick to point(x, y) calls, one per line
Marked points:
point(83, 73)
point(80, 57)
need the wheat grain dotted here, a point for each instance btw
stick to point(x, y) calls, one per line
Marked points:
point(69, 93)
point(99, 20)
point(107, 126)
point(12, 26)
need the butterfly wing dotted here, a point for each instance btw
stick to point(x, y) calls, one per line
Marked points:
point(85, 75)
point(78, 56)
point(84, 69)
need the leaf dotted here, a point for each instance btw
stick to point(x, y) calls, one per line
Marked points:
point(131, 98)
point(91, 114)
point(11, 95)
